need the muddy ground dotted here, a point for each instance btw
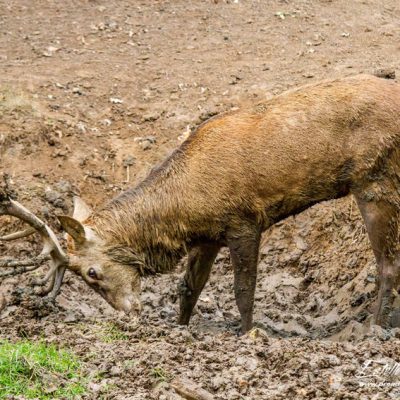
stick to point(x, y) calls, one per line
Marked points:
point(95, 93)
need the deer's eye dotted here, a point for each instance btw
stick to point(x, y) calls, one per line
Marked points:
point(92, 273)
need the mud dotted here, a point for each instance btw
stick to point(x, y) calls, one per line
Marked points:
point(95, 93)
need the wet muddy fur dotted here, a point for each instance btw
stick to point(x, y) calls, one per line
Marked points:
point(240, 173)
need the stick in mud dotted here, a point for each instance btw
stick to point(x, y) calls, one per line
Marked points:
point(190, 390)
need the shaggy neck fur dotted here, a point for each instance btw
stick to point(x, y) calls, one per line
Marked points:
point(142, 227)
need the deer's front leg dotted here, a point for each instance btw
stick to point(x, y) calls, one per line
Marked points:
point(244, 245)
point(200, 261)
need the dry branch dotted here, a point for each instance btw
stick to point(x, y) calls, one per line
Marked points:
point(18, 235)
point(189, 390)
point(35, 261)
point(18, 271)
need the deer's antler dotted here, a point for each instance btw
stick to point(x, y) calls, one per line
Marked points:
point(51, 252)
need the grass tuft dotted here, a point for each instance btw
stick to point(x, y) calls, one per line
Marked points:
point(160, 374)
point(38, 370)
point(15, 101)
point(109, 332)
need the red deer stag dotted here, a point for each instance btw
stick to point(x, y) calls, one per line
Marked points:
point(237, 175)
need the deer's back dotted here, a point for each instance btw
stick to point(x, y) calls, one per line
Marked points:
point(299, 148)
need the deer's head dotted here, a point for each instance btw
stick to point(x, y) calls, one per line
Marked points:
point(110, 273)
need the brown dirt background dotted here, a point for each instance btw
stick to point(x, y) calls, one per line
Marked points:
point(87, 87)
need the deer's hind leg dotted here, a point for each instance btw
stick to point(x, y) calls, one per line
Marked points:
point(244, 246)
point(380, 208)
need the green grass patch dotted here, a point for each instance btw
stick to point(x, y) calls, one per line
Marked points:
point(109, 332)
point(38, 370)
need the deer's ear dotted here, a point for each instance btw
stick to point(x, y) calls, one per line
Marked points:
point(74, 228)
point(81, 210)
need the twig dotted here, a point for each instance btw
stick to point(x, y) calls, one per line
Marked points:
point(18, 235)
point(190, 390)
point(35, 261)
point(18, 271)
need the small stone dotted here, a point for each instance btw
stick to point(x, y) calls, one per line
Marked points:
point(70, 318)
point(151, 117)
point(217, 382)
point(86, 311)
point(235, 79)
point(112, 25)
point(247, 362)
point(77, 90)
point(81, 127)
point(386, 73)
point(145, 145)
point(333, 360)
point(370, 278)
point(128, 161)
point(115, 100)
point(145, 142)
point(49, 51)
point(94, 387)
point(64, 186)
point(115, 371)
point(167, 313)
point(55, 198)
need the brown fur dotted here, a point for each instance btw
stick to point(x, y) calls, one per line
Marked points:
point(254, 167)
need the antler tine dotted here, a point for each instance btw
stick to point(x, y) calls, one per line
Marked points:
point(51, 251)
point(15, 209)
